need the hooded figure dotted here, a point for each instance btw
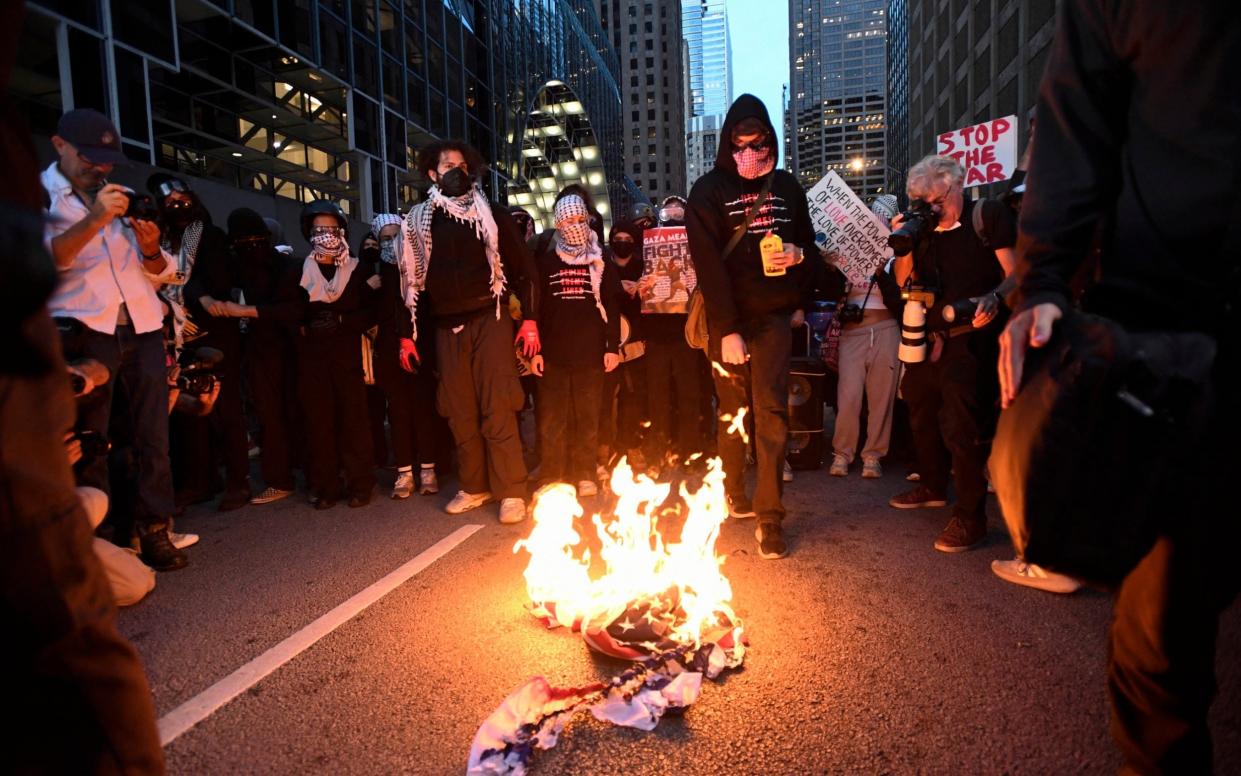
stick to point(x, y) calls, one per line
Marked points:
point(749, 310)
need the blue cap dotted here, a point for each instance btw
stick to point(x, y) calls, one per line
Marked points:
point(93, 134)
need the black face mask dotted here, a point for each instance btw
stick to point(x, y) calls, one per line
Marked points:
point(623, 249)
point(455, 182)
point(369, 254)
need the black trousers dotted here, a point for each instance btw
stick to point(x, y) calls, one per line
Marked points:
point(412, 420)
point(568, 411)
point(201, 444)
point(337, 423)
point(761, 387)
point(479, 394)
point(674, 393)
point(952, 412)
point(623, 407)
point(273, 377)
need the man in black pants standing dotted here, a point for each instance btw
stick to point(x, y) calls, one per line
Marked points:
point(750, 302)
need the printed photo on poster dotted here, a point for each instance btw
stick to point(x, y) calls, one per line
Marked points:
point(665, 257)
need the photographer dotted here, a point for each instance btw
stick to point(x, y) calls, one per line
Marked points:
point(106, 248)
point(952, 394)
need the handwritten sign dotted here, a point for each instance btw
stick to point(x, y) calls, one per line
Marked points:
point(987, 151)
point(845, 226)
point(665, 256)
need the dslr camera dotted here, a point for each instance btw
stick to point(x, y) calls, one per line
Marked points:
point(198, 372)
point(140, 207)
point(920, 219)
point(918, 299)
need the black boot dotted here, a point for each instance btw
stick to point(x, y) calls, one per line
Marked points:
point(158, 551)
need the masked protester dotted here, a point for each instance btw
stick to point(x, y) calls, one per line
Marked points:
point(751, 302)
point(642, 215)
point(579, 326)
point(525, 223)
point(272, 297)
point(205, 279)
point(460, 257)
point(624, 389)
point(376, 403)
point(672, 211)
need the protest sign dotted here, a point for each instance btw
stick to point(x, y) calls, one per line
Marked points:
point(665, 257)
point(845, 226)
point(987, 151)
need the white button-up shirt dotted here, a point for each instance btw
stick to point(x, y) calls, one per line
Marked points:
point(106, 273)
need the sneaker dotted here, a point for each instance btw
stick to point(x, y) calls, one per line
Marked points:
point(788, 472)
point(464, 502)
point(840, 466)
point(871, 470)
point(512, 510)
point(961, 535)
point(770, 541)
point(182, 540)
point(1031, 575)
point(234, 499)
point(159, 553)
point(587, 488)
point(919, 497)
point(739, 507)
point(428, 483)
point(271, 494)
point(404, 485)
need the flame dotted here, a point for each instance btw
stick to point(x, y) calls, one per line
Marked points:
point(721, 371)
point(736, 424)
point(639, 564)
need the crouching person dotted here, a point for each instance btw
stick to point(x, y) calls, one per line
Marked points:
point(129, 578)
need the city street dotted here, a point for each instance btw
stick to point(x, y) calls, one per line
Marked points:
point(870, 652)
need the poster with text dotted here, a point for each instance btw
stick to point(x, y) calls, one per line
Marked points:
point(987, 151)
point(665, 257)
point(845, 226)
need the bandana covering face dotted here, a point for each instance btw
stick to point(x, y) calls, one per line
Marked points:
point(327, 246)
point(577, 244)
point(387, 246)
point(414, 257)
point(753, 164)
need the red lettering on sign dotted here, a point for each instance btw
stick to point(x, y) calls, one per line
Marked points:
point(988, 155)
point(946, 139)
point(999, 127)
point(974, 175)
point(965, 133)
point(983, 135)
point(995, 172)
point(956, 155)
point(971, 157)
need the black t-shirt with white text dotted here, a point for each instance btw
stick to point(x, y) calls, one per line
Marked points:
point(572, 331)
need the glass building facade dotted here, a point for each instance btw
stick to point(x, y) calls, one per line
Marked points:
point(838, 87)
point(300, 99)
point(704, 24)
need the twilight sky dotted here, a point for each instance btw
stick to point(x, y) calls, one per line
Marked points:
point(759, 30)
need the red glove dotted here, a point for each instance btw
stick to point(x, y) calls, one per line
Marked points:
point(409, 355)
point(528, 338)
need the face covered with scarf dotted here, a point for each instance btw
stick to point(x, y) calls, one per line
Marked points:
point(387, 226)
point(752, 149)
point(573, 224)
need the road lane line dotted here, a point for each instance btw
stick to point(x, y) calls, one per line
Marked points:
point(203, 705)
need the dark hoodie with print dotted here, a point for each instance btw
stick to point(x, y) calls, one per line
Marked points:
point(735, 288)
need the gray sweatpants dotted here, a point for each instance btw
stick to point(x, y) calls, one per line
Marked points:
point(867, 363)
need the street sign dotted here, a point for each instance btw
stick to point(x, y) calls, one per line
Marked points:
point(845, 226)
point(987, 151)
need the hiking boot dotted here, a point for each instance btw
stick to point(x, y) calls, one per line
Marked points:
point(512, 510)
point(1030, 575)
point(464, 502)
point(234, 499)
point(919, 497)
point(587, 488)
point(739, 507)
point(159, 553)
point(788, 472)
point(871, 470)
point(270, 494)
point(770, 537)
point(404, 485)
point(428, 483)
point(961, 534)
point(840, 466)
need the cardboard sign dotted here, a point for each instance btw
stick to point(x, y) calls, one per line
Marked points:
point(665, 256)
point(845, 226)
point(987, 151)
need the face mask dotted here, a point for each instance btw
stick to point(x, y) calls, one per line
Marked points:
point(623, 249)
point(455, 183)
point(387, 251)
point(328, 242)
point(370, 253)
point(753, 164)
point(574, 235)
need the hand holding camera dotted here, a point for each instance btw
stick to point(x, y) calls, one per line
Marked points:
point(111, 202)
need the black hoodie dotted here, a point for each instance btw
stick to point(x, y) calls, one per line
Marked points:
point(736, 290)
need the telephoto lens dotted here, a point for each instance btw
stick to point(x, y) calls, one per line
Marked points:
point(913, 333)
point(960, 310)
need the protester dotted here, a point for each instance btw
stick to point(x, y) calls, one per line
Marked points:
point(277, 236)
point(579, 326)
point(460, 256)
point(952, 394)
point(524, 221)
point(672, 211)
point(749, 311)
point(624, 406)
point(107, 309)
point(376, 401)
point(410, 394)
point(1153, 90)
point(642, 215)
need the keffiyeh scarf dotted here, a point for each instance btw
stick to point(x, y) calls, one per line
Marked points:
point(319, 288)
point(174, 292)
point(387, 249)
point(578, 245)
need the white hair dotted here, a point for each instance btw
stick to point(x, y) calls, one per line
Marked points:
point(925, 176)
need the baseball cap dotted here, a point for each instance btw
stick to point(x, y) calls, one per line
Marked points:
point(93, 134)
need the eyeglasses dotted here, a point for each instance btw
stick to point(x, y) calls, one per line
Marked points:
point(326, 230)
point(84, 159)
point(940, 200)
point(755, 145)
point(169, 186)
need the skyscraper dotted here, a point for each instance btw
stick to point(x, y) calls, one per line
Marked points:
point(957, 63)
point(705, 26)
point(838, 81)
point(646, 35)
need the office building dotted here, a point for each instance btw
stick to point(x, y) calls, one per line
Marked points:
point(704, 24)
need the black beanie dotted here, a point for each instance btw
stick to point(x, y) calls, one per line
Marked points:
point(244, 222)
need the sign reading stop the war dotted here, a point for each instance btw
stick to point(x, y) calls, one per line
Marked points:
point(987, 151)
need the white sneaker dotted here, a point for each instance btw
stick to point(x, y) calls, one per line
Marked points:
point(840, 466)
point(913, 477)
point(1030, 575)
point(269, 495)
point(871, 470)
point(182, 540)
point(463, 502)
point(512, 510)
point(788, 472)
point(404, 485)
point(586, 489)
point(428, 483)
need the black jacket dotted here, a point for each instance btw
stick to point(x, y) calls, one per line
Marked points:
point(213, 275)
point(736, 289)
point(325, 324)
point(272, 286)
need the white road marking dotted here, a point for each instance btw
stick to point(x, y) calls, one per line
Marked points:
point(203, 705)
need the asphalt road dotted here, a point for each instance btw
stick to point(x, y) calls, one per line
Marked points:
point(870, 652)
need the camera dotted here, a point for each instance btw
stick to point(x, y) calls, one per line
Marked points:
point(94, 444)
point(198, 374)
point(960, 310)
point(919, 220)
point(850, 313)
point(913, 322)
point(140, 207)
